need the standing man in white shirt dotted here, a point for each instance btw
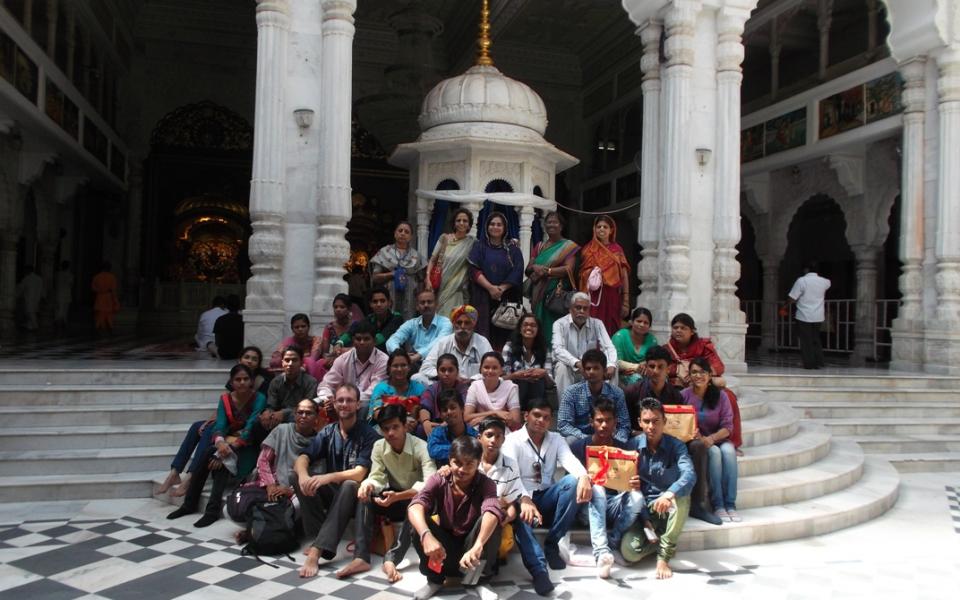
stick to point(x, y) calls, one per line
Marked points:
point(808, 292)
point(574, 334)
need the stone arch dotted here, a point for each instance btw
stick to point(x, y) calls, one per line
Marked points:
point(749, 286)
point(202, 126)
point(818, 232)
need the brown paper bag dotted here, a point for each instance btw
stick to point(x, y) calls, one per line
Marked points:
point(681, 421)
point(611, 467)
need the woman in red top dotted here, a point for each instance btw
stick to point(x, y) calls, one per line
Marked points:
point(684, 346)
point(611, 301)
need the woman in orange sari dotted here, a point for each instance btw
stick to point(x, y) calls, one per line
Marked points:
point(610, 300)
point(105, 302)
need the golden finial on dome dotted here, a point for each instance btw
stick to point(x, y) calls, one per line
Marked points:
point(483, 42)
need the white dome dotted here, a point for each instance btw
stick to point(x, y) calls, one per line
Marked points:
point(483, 94)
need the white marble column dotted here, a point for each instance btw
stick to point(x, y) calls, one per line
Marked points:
point(424, 212)
point(768, 310)
point(263, 315)
point(728, 326)
point(824, 19)
point(649, 238)
point(866, 309)
point(334, 210)
point(942, 350)
point(907, 351)
point(8, 281)
point(474, 208)
point(677, 158)
point(526, 231)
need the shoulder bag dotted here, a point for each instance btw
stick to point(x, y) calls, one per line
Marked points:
point(559, 301)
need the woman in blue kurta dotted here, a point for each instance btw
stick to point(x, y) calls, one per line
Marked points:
point(496, 274)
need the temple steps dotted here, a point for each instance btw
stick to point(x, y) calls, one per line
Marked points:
point(109, 375)
point(105, 435)
point(911, 420)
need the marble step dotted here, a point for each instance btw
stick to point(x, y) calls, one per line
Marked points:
point(907, 444)
point(100, 414)
point(924, 462)
point(908, 396)
point(879, 380)
point(780, 423)
point(86, 437)
point(871, 496)
point(76, 487)
point(810, 444)
point(86, 461)
point(893, 426)
point(839, 469)
point(753, 407)
point(118, 395)
point(843, 409)
point(111, 375)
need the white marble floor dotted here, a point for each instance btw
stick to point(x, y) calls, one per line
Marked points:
point(126, 549)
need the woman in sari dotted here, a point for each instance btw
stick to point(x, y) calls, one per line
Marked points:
point(610, 302)
point(496, 275)
point(553, 263)
point(451, 252)
point(399, 268)
point(632, 343)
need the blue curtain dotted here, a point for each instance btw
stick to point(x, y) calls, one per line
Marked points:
point(437, 222)
point(513, 221)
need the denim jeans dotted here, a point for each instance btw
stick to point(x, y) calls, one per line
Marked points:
point(195, 442)
point(723, 475)
point(558, 505)
point(619, 510)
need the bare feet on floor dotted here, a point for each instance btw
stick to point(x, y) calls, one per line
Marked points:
point(311, 563)
point(357, 565)
point(663, 570)
point(173, 478)
point(181, 488)
point(390, 570)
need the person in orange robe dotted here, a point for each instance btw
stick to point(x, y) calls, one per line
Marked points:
point(105, 302)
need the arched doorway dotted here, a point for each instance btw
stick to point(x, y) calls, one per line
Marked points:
point(750, 284)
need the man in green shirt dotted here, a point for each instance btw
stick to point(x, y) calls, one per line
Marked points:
point(400, 466)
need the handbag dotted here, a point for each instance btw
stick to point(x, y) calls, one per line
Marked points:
point(436, 272)
point(681, 421)
point(594, 283)
point(559, 301)
point(507, 315)
point(611, 467)
point(683, 367)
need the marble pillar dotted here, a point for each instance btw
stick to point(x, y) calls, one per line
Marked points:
point(263, 315)
point(942, 347)
point(866, 309)
point(8, 281)
point(728, 326)
point(474, 208)
point(424, 212)
point(334, 208)
point(526, 231)
point(649, 234)
point(771, 304)
point(907, 350)
point(824, 20)
point(677, 159)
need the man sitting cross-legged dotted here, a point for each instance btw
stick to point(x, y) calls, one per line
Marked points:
point(539, 452)
point(328, 501)
point(505, 472)
point(400, 466)
point(451, 410)
point(467, 528)
point(573, 414)
point(666, 478)
point(610, 513)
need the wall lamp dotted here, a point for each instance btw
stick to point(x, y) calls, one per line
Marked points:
point(303, 117)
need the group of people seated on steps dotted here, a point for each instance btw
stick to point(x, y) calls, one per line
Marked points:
point(419, 431)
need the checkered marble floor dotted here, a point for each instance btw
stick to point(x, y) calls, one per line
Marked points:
point(126, 549)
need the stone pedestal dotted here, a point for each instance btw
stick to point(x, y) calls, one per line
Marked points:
point(768, 314)
point(866, 309)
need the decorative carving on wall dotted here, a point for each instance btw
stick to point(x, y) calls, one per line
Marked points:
point(363, 144)
point(204, 125)
point(437, 172)
point(508, 171)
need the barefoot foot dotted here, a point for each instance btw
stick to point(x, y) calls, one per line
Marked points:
point(390, 570)
point(173, 478)
point(310, 566)
point(663, 570)
point(181, 488)
point(357, 565)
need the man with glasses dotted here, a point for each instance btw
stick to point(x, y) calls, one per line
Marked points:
point(666, 478)
point(574, 334)
point(329, 500)
point(463, 343)
point(539, 452)
point(505, 472)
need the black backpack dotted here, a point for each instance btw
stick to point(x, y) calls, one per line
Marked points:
point(271, 530)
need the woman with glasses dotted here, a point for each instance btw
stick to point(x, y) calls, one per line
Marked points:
point(715, 422)
point(526, 360)
point(397, 383)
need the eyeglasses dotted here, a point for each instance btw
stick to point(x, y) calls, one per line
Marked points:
point(697, 373)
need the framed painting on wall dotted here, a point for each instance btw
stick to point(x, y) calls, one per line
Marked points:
point(786, 132)
point(883, 97)
point(842, 112)
point(751, 143)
